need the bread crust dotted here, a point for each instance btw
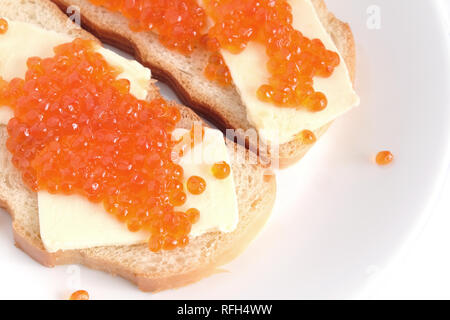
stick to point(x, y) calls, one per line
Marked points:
point(289, 153)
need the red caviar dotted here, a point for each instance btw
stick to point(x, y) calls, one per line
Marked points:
point(217, 70)
point(221, 170)
point(193, 215)
point(155, 243)
point(3, 26)
point(189, 140)
point(294, 60)
point(77, 130)
point(196, 185)
point(384, 158)
point(79, 295)
point(308, 137)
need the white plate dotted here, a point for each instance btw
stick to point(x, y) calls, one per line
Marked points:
point(338, 217)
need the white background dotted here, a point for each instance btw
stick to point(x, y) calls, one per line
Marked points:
point(423, 270)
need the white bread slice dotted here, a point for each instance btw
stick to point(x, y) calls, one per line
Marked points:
point(223, 106)
point(150, 271)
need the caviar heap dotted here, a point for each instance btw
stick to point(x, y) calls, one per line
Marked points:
point(293, 59)
point(3, 26)
point(77, 130)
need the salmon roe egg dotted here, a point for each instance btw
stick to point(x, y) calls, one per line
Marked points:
point(384, 158)
point(308, 137)
point(155, 243)
point(183, 242)
point(3, 26)
point(177, 198)
point(77, 129)
point(189, 140)
point(196, 185)
point(221, 170)
point(178, 23)
point(79, 295)
point(193, 215)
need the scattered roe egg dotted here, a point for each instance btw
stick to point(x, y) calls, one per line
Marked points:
point(196, 185)
point(77, 130)
point(384, 158)
point(193, 215)
point(3, 26)
point(307, 137)
point(293, 59)
point(79, 295)
point(221, 170)
point(189, 140)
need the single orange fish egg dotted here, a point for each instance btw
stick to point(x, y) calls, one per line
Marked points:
point(384, 158)
point(308, 137)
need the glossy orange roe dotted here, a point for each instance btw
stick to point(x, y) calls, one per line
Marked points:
point(308, 137)
point(78, 130)
point(196, 185)
point(384, 158)
point(221, 170)
point(189, 140)
point(79, 295)
point(293, 59)
point(3, 26)
point(178, 23)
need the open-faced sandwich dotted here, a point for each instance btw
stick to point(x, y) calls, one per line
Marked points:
point(98, 169)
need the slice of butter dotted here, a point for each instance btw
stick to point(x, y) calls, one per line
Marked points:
point(73, 222)
point(281, 125)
